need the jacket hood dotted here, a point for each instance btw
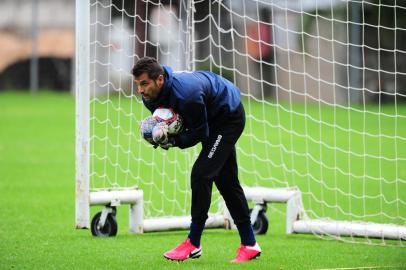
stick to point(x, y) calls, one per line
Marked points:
point(168, 80)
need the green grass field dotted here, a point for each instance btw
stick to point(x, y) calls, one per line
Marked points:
point(37, 185)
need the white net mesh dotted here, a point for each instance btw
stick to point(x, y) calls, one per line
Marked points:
point(323, 84)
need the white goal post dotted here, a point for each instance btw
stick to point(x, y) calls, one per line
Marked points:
point(323, 85)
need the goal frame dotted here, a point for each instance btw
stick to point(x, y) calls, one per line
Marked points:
point(296, 220)
point(82, 93)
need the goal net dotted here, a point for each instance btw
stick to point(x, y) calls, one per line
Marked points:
point(323, 83)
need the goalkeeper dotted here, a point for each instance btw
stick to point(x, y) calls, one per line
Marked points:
point(213, 116)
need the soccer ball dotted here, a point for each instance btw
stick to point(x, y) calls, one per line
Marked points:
point(168, 116)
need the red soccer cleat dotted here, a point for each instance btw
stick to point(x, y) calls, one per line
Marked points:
point(184, 251)
point(246, 253)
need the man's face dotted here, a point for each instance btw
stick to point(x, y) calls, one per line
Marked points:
point(148, 88)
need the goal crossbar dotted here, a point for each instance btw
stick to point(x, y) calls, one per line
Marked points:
point(349, 228)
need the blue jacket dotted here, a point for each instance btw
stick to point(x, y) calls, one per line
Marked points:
point(200, 97)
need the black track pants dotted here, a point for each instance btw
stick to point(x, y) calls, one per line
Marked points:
point(218, 162)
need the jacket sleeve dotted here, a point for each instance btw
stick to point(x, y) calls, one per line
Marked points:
point(195, 117)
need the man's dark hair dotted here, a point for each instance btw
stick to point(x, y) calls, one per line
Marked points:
point(147, 65)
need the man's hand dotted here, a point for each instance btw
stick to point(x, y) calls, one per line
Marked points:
point(170, 143)
point(160, 136)
point(160, 133)
point(146, 127)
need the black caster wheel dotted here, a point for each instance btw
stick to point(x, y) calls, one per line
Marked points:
point(260, 225)
point(109, 228)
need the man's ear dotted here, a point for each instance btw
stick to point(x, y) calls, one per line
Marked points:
point(161, 80)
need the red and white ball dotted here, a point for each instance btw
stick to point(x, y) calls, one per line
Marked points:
point(172, 119)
